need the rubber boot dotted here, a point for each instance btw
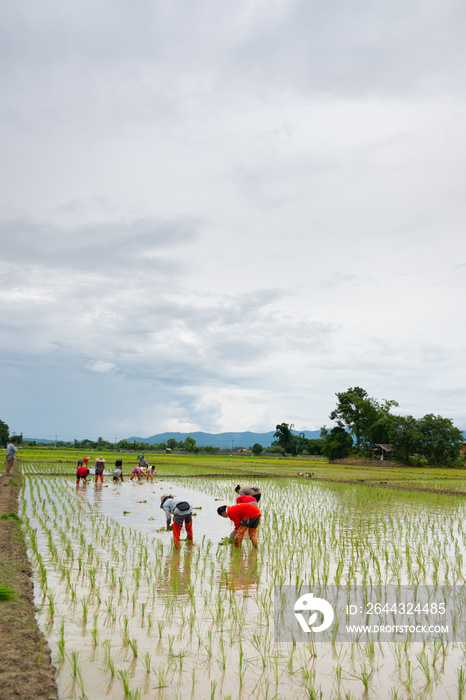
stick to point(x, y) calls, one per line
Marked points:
point(189, 530)
point(101, 478)
point(77, 481)
point(176, 535)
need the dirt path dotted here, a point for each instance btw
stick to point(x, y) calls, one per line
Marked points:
point(26, 671)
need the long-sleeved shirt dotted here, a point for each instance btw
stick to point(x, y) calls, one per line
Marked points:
point(248, 491)
point(242, 511)
point(169, 506)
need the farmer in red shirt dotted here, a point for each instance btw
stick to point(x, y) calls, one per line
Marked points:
point(81, 473)
point(246, 517)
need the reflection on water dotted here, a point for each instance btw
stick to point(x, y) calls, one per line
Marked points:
point(137, 505)
point(98, 488)
point(243, 572)
point(176, 576)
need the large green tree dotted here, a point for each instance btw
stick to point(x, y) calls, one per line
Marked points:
point(358, 412)
point(285, 438)
point(441, 441)
point(190, 445)
point(405, 437)
point(4, 433)
point(336, 443)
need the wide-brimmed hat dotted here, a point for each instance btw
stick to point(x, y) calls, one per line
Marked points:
point(100, 459)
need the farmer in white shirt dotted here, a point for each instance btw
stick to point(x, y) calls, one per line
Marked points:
point(182, 514)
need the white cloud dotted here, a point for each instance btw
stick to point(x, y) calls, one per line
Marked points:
point(100, 366)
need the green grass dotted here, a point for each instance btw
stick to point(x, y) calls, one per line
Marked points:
point(10, 516)
point(6, 592)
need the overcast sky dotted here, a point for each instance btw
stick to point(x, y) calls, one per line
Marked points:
point(214, 215)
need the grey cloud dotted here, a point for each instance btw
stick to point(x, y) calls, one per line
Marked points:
point(362, 48)
point(95, 247)
point(142, 60)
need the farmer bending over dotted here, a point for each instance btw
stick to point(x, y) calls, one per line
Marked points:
point(253, 491)
point(246, 517)
point(136, 472)
point(182, 513)
point(81, 474)
point(118, 474)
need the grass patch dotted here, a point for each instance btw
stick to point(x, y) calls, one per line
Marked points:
point(6, 592)
point(10, 516)
point(12, 482)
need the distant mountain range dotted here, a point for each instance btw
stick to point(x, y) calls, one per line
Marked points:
point(223, 440)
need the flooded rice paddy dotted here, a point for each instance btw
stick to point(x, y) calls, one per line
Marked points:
point(127, 616)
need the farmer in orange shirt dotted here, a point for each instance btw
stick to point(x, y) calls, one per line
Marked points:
point(246, 517)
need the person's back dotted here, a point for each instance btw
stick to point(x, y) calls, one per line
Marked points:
point(11, 450)
point(243, 511)
point(249, 491)
point(117, 474)
point(136, 472)
point(82, 474)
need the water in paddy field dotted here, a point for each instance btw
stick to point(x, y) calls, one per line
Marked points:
point(127, 616)
point(137, 505)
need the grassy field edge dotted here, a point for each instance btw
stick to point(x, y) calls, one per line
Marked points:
point(26, 670)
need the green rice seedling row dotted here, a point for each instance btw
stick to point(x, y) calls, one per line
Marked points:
point(127, 615)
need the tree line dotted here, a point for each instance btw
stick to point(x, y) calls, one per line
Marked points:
point(362, 421)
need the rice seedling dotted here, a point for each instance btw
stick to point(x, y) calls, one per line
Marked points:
point(461, 681)
point(74, 656)
point(133, 643)
point(123, 675)
point(224, 602)
point(162, 678)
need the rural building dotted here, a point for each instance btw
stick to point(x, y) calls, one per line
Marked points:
point(380, 451)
